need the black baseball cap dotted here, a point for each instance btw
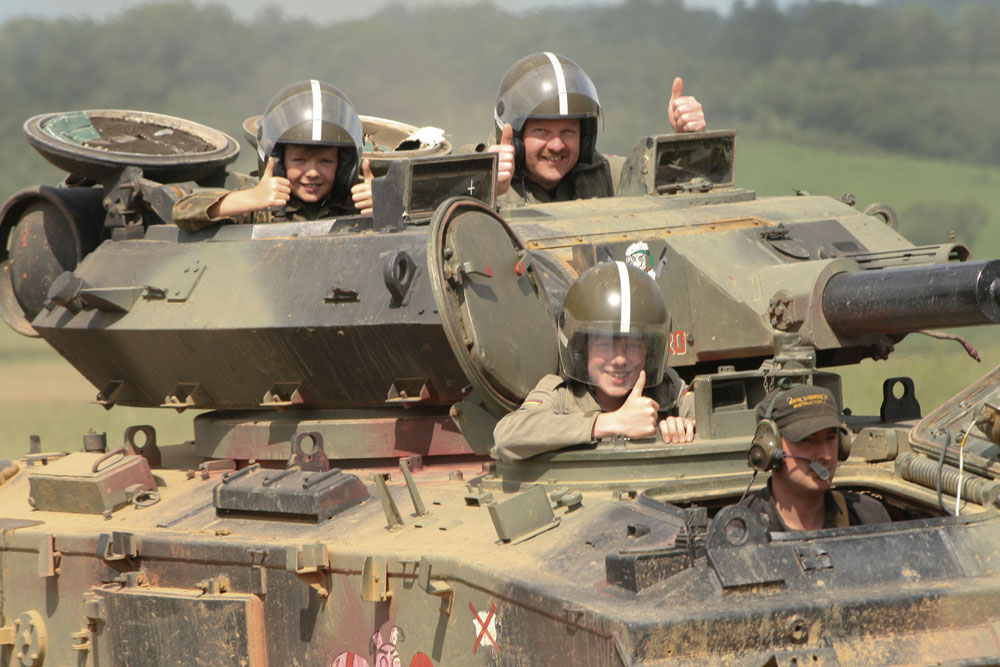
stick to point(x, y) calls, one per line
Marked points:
point(800, 411)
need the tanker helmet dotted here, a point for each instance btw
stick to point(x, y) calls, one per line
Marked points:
point(617, 300)
point(548, 86)
point(313, 113)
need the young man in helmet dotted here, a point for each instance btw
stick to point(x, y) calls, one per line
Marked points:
point(797, 496)
point(546, 114)
point(612, 337)
point(309, 155)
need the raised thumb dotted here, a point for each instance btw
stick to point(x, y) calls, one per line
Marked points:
point(507, 135)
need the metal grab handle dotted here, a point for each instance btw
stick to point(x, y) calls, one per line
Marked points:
point(145, 499)
point(98, 462)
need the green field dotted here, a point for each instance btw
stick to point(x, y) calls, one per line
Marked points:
point(907, 184)
point(41, 394)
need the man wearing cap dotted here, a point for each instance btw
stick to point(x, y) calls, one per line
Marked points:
point(796, 497)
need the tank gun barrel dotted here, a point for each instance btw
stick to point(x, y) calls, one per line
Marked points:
point(899, 300)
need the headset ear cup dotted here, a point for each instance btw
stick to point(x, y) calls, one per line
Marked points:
point(765, 451)
point(843, 445)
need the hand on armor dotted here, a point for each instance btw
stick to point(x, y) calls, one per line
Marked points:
point(685, 112)
point(361, 193)
point(505, 158)
point(636, 418)
point(677, 429)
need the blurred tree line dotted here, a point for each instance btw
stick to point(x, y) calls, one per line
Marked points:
point(918, 78)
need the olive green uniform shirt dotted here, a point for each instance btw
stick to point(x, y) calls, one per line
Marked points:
point(559, 413)
point(586, 180)
point(191, 212)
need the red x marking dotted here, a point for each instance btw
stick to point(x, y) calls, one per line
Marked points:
point(485, 627)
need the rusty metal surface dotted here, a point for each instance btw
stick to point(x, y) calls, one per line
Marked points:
point(91, 483)
point(274, 598)
point(264, 435)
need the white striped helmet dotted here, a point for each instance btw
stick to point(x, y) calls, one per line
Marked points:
point(313, 113)
point(548, 86)
point(618, 300)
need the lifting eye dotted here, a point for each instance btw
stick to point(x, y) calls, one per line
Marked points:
point(398, 275)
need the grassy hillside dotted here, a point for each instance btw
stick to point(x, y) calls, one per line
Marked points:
point(41, 394)
point(955, 191)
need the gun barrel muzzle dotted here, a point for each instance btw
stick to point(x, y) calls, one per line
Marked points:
point(899, 300)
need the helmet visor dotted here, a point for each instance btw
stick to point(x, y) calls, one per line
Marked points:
point(319, 118)
point(598, 353)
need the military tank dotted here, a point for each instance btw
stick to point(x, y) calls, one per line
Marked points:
point(339, 505)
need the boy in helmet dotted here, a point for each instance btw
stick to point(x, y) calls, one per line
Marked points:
point(309, 155)
point(803, 460)
point(546, 114)
point(615, 382)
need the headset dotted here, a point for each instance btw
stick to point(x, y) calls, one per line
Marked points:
point(765, 451)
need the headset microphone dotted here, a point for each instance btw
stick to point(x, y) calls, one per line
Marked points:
point(815, 466)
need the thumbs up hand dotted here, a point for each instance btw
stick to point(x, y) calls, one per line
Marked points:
point(636, 418)
point(505, 158)
point(271, 190)
point(685, 112)
point(361, 193)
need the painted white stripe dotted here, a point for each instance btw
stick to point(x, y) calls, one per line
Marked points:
point(626, 292)
point(317, 111)
point(560, 83)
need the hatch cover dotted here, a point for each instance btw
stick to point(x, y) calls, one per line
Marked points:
point(491, 301)
point(100, 143)
point(168, 626)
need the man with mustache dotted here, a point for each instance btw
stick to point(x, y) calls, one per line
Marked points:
point(546, 114)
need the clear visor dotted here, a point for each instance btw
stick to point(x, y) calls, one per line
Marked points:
point(323, 120)
point(548, 91)
point(588, 352)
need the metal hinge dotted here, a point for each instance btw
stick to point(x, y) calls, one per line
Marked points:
point(441, 589)
point(48, 558)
